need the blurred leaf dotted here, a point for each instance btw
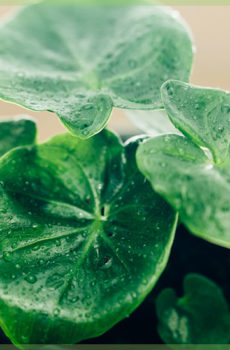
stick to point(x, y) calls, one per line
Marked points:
point(19, 131)
point(201, 316)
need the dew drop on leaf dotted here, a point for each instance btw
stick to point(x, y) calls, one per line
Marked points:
point(87, 107)
point(31, 279)
point(73, 299)
point(7, 256)
point(14, 245)
point(105, 263)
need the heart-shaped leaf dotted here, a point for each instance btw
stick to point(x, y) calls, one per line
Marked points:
point(202, 114)
point(201, 316)
point(19, 131)
point(83, 238)
point(194, 182)
point(81, 61)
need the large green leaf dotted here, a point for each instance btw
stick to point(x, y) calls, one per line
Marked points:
point(80, 62)
point(193, 181)
point(201, 316)
point(83, 238)
point(19, 131)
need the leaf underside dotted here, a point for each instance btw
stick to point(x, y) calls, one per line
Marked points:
point(153, 123)
point(83, 238)
point(193, 173)
point(81, 61)
point(201, 316)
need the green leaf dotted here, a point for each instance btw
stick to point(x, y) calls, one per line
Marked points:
point(19, 131)
point(201, 316)
point(80, 62)
point(202, 114)
point(196, 184)
point(83, 238)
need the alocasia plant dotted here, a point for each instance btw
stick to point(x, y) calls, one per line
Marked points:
point(19, 131)
point(83, 238)
point(201, 316)
point(81, 61)
point(193, 173)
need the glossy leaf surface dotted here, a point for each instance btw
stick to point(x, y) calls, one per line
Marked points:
point(83, 238)
point(196, 184)
point(80, 62)
point(201, 316)
point(203, 114)
point(19, 131)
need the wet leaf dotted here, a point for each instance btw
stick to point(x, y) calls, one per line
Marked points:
point(83, 238)
point(79, 62)
point(201, 316)
point(202, 114)
point(194, 180)
point(19, 131)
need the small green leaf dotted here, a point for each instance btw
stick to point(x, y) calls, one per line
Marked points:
point(199, 190)
point(19, 131)
point(83, 238)
point(79, 62)
point(196, 182)
point(202, 114)
point(201, 316)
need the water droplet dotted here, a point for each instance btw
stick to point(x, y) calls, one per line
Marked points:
point(31, 279)
point(73, 299)
point(87, 107)
point(105, 263)
point(14, 245)
point(7, 256)
point(36, 247)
